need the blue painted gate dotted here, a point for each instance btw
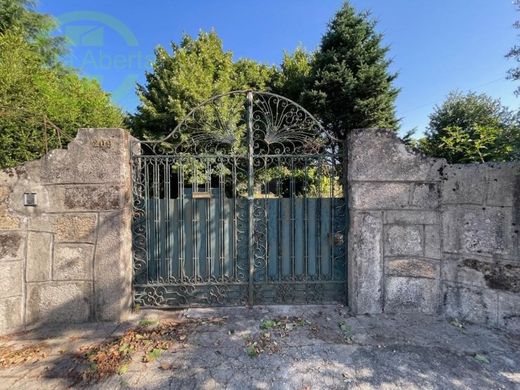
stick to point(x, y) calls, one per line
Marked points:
point(224, 217)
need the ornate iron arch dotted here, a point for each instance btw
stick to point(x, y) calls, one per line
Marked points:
point(243, 122)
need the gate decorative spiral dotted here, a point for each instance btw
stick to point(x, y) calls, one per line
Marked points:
point(241, 204)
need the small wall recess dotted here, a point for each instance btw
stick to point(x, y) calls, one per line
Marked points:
point(29, 199)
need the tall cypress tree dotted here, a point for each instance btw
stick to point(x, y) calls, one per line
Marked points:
point(350, 84)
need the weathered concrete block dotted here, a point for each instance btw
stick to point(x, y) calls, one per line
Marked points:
point(366, 263)
point(509, 311)
point(11, 246)
point(93, 157)
point(503, 184)
point(409, 295)
point(11, 279)
point(8, 221)
point(376, 155)
point(73, 261)
point(113, 266)
point(92, 197)
point(487, 231)
point(403, 240)
point(454, 271)
point(471, 304)
point(75, 227)
point(379, 196)
point(426, 196)
point(5, 191)
point(478, 230)
point(413, 268)
point(11, 314)
point(485, 273)
point(58, 302)
point(412, 217)
point(432, 241)
point(39, 257)
point(464, 184)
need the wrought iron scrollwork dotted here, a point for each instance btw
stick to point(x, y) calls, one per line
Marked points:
point(219, 126)
point(238, 204)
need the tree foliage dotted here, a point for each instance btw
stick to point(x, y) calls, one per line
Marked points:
point(42, 102)
point(350, 83)
point(514, 53)
point(197, 69)
point(293, 77)
point(34, 27)
point(472, 128)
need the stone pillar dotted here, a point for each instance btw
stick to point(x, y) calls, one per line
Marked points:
point(394, 233)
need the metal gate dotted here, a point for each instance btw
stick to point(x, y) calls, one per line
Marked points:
point(241, 204)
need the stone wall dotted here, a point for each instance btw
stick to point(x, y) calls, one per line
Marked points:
point(426, 236)
point(69, 257)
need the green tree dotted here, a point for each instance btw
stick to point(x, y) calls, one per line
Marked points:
point(514, 53)
point(42, 107)
point(34, 27)
point(293, 77)
point(196, 70)
point(472, 128)
point(249, 74)
point(350, 83)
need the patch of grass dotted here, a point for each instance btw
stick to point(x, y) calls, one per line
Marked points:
point(346, 330)
point(269, 324)
point(152, 355)
point(144, 323)
point(252, 351)
point(282, 325)
point(456, 323)
point(481, 359)
point(261, 343)
point(270, 330)
point(123, 369)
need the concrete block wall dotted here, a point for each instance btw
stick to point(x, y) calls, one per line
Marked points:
point(69, 257)
point(430, 237)
point(481, 257)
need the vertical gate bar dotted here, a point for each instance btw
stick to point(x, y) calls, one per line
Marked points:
point(250, 191)
point(318, 218)
point(147, 219)
point(157, 219)
point(279, 196)
point(222, 230)
point(181, 221)
point(167, 253)
point(266, 223)
point(293, 222)
point(332, 177)
point(208, 222)
point(305, 221)
point(234, 195)
point(194, 227)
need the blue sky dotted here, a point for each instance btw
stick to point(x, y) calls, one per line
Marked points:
point(436, 46)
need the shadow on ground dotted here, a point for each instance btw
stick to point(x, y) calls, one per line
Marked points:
point(299, 347)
